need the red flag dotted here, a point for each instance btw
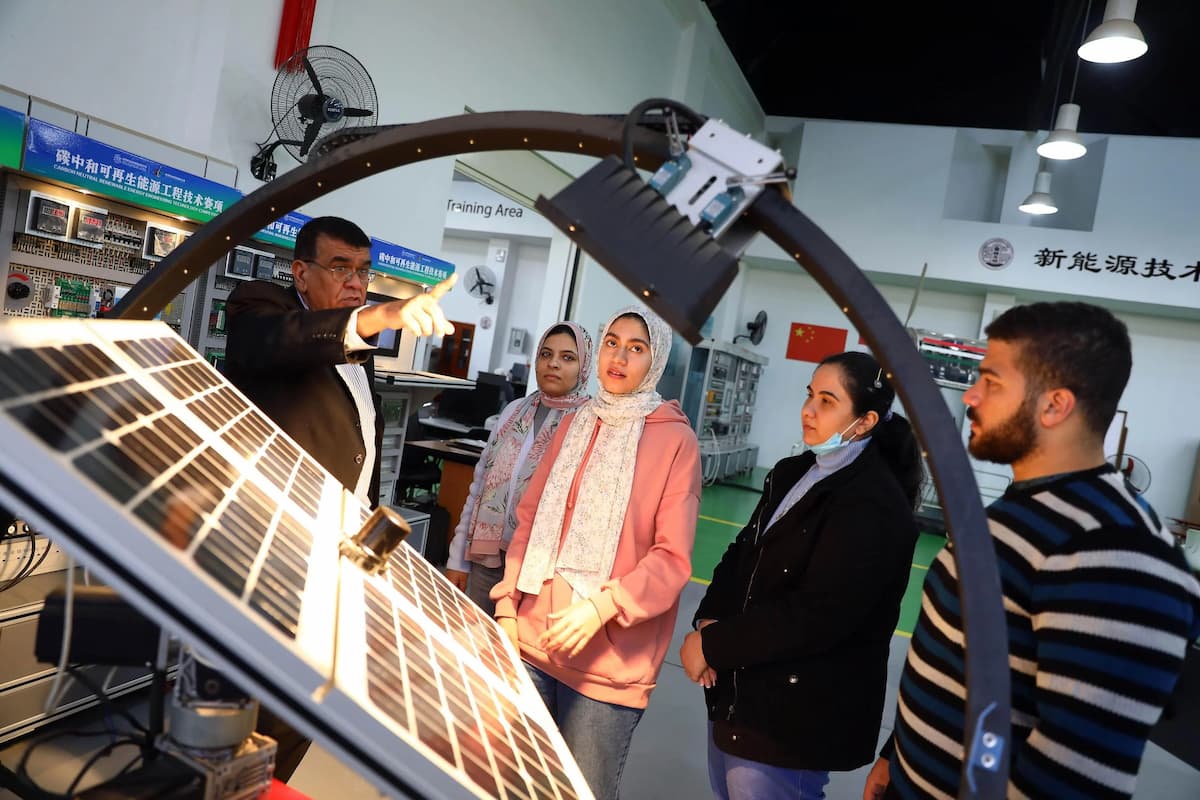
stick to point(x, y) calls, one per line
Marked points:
point(814, 342)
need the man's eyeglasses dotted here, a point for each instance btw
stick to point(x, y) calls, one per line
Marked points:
point(343, 273)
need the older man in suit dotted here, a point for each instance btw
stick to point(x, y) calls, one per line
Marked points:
point(303, 355)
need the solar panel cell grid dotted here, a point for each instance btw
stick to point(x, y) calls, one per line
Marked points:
point(168, 444)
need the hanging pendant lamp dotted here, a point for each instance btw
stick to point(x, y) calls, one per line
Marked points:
point(1063, 143)
point(1117, 38)
point(1039, 201)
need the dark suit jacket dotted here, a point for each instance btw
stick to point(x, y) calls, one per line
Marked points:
point(283, 358)
point(806, 610)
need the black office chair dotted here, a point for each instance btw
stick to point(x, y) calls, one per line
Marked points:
point(417, 470)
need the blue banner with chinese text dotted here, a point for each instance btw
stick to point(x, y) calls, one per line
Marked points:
point(401, 262)
point(66, 156)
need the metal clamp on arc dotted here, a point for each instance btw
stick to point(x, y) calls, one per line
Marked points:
point(378, 538)
point(987, 749)
point(717, 178)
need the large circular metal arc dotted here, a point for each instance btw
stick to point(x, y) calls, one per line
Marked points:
point(391, 147)
point(984, 625)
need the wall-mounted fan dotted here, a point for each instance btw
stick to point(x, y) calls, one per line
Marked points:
point(318, 91)
point(1134, 470)
point(757, 327)
point(481, 282)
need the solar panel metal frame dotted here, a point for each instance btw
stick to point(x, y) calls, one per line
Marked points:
point(45, 488)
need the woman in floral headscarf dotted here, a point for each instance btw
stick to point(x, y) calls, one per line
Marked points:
point(513, 452)
point(603, 550)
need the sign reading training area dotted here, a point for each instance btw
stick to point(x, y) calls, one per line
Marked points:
point(68, 157)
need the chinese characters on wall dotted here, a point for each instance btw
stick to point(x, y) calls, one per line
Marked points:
point(1158, 268)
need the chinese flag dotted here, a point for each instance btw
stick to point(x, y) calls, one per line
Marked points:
point(814, 342)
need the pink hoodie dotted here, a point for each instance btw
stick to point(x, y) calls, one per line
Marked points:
point(653, 563)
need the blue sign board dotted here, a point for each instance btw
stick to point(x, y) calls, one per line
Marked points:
point(76, 160)
point(66, 156)
point(401, 262)
point(283, 231)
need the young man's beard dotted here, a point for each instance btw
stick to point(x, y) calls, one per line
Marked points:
point(1011, 440)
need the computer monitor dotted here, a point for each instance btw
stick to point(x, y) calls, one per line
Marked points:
point(456, 403)
point(503, 387)
point(389, 340)
point(471, 407)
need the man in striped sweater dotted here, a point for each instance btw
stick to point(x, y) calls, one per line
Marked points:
point(1100, 604)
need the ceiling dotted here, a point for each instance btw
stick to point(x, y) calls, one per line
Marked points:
point(964, 64)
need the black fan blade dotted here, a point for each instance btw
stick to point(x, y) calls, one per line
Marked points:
point(312, 75)
point(357, 112)
point(310, 136)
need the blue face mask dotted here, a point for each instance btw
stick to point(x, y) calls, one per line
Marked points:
point(834, 442)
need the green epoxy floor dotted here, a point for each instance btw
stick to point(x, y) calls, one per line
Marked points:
point(725, 509)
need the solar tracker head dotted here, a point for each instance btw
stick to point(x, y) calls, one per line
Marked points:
point(379, 537)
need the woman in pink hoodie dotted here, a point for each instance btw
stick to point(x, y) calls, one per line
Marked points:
point(603, 550)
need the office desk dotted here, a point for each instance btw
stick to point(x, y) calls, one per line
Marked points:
point(458, 468)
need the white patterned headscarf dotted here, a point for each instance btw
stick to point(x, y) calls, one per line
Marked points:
point(589, 548)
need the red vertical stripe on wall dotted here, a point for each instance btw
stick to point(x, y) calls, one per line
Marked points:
point(295, 28)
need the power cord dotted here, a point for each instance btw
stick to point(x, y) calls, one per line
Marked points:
point(23, 775)
point(64, 651)
point(32, 561)
point(635, 116)
point(716, 461)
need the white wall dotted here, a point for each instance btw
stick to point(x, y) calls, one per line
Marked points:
point(520, 301)
point(138, 63)
point(460, 306)
point(880, 191)
point(1161, 400)
point(475, 212)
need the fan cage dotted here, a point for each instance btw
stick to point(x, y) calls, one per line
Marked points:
point(341, 75)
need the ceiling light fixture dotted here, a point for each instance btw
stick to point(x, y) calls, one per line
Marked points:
point(1063, 143)
point(1117, 38)
point(1039, 201)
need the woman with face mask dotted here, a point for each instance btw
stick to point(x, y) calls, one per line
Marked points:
point(793, 635)
point(516, 447)
point(603, 550)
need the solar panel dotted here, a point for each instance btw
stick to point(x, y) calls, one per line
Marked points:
point(143, 462)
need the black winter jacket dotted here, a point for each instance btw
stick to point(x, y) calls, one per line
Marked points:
point(805, 615)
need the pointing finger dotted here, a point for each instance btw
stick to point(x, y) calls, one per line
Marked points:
point(438, 291)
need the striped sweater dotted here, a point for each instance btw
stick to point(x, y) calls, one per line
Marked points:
point(1101, 609)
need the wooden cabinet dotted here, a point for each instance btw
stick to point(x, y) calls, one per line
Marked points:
point(454, 357)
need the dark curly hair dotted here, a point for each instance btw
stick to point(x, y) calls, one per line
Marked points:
point(1075, 346)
